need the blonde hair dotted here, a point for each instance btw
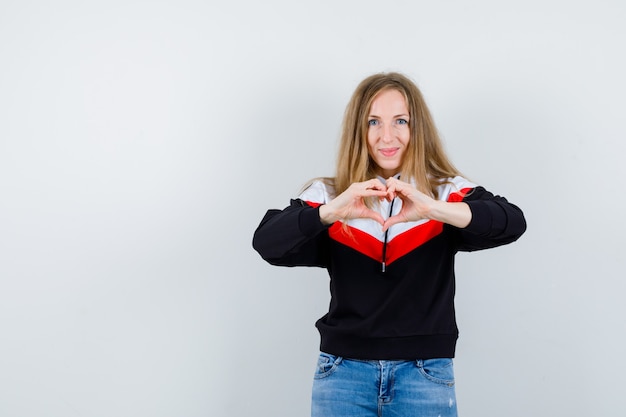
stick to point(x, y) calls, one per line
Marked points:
point(425, 160)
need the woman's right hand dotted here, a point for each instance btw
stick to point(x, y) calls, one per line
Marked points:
point(350, 204)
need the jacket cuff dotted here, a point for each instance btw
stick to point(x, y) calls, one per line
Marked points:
point(486, 217)
point(310, 223)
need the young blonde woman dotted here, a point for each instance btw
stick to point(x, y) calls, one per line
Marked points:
point(387, 228)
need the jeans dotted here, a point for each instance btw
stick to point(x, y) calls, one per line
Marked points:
point(348, 387)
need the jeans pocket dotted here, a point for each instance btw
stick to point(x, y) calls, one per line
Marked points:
point(440, 371)
point(326, 365)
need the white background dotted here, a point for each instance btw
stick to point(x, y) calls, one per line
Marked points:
point(142, 141)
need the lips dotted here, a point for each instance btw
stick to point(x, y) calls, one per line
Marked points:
point(388, 152)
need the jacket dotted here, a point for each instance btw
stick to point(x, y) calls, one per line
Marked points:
point(392, 294)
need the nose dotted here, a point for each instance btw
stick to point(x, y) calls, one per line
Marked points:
point(387, 134)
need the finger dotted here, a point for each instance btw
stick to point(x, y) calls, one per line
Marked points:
point(396, 181)
point(371, 188)
point(391, 181)
point(391, 192)
point(398, 187)
point(375, 184)
point(391, 221)
point(403, 188)
point(373, 193)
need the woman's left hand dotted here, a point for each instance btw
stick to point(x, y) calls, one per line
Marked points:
point(417, 206)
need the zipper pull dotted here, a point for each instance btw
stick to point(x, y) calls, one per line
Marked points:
point(384, 266)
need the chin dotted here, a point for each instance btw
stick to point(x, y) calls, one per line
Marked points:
point(388, 172)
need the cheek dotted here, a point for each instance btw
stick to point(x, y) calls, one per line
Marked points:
point(406, 137)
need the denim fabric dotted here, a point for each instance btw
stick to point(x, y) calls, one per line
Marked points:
point(347, 387)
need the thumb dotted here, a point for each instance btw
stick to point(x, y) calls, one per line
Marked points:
point(391, 221)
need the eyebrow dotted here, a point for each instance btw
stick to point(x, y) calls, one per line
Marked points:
point(397, 115)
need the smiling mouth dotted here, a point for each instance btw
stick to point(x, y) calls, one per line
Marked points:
point(388, 151)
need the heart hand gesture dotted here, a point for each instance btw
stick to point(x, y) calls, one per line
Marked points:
point(415, 205)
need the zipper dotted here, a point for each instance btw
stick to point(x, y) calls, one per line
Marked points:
point(384, 264)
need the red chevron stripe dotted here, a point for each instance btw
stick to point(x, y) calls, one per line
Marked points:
point(411, 239)
point(358, 240)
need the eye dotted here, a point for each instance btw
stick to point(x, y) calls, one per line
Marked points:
point(402, 122)
point(372, 122)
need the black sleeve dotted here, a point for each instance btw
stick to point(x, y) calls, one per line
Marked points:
point(294, 236)
point(495, 221)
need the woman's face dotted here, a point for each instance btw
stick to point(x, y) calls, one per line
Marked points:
point(388, 131)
